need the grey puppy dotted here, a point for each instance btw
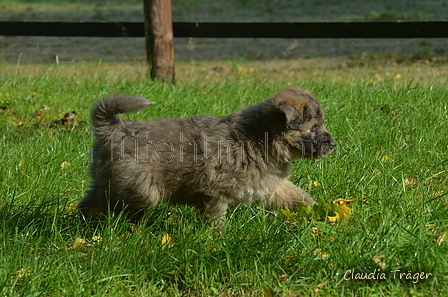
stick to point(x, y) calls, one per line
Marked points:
point(209, 162)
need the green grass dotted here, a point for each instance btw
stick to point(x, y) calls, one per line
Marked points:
point(236, 10)
point(392, 159)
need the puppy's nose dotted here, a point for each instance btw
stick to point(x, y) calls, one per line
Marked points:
point(333, 144)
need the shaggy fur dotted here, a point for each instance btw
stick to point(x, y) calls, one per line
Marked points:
point(209, 162)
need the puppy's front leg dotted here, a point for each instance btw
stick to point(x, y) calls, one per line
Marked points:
point(289, 195)
point(214, 210)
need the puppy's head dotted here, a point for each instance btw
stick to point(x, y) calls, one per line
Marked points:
point(301, 124)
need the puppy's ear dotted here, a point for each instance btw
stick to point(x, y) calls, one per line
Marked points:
point(292, 116)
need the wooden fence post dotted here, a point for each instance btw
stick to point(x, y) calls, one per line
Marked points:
point(159, 39)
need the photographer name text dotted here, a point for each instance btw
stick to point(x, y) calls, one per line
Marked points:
point(378, 274)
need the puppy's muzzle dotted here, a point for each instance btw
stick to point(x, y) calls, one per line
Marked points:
point(328, 147)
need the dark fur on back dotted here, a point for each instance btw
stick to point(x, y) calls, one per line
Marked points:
point(212, 163)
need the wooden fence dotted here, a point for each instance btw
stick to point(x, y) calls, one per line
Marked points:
point(390, 29)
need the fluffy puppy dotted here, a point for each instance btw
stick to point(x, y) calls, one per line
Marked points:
point(209, 162)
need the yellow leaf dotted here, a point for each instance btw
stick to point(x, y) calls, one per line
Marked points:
point(320, 286)
point(411, 181)
point(442, 238)
point(268, 291)
point(242, 70)
point(283, 277)
point(167, 239)
point(431, 229)
point(64, 164)
point(319, 253)
point(97, 239)
point(289, 255)
point(71, 207)
point(316, 183)
point(437, 193)
point(286, 214)
point(211, 249)
point(386, 158)
point(333, 219)
point(135, 229)
point(342, 212)
point(78, 243)
point(23, 272)
point(343, 200)
point(377, 260)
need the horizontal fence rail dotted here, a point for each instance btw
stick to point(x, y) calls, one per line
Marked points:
point(389, 29)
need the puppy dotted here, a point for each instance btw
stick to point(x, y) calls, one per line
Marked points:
point(209, 162)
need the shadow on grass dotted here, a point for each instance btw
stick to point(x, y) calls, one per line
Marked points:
point(42, 216)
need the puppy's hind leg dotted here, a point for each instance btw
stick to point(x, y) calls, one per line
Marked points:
point(289, 195)
point(93, 205)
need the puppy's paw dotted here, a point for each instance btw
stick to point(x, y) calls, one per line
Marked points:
point(308, 200)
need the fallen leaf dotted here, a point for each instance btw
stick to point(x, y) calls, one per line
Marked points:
point(286, 214)
point(135, 228)
point(167, 239)
point(71, 207)
point(333, 219)
point(78, 243)
point(97, 239)
point(386, 158)
point(442, 238)
point(319, 253)
point(377, 260)
point(431, 229)
point(289, 255)
point(242, 70)
point(411, 181)
point(68, 121)
point(268, 291)
point(211, 249)
point(320, 286)
point(342, 212)
point(64, 164)
point(23, 272)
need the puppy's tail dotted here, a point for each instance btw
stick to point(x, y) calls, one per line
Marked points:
point(105, 112)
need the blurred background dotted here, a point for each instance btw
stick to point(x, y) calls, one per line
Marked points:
point(77, 49)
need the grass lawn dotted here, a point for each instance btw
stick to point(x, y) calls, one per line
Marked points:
point(392, 131)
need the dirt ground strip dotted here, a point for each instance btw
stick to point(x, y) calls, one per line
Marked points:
point(72, 49)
